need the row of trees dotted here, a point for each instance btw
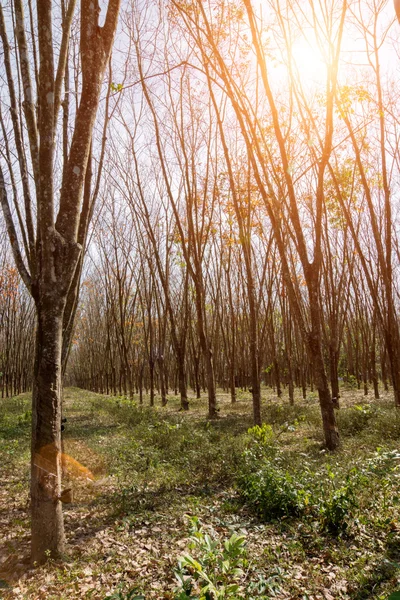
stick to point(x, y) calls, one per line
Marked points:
point(249, 194)
point(17, 320)
point(123, 342)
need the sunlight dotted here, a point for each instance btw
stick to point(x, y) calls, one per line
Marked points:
point(309, 62)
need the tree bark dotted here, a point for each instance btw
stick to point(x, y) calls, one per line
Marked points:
point(331, 432)
point(46, 509)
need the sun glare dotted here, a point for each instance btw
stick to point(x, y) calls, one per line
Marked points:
point(309, 63)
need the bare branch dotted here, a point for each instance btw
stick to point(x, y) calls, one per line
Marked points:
point(29, 103)
point(12, 234)
point(62, 61)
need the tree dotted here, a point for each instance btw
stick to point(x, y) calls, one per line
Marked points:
point(48, 253)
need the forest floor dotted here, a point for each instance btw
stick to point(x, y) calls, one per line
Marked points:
point(141, 475)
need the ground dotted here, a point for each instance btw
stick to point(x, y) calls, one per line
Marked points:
point(140, 475)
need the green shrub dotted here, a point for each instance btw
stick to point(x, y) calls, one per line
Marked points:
point(270, 491)
point(216, 571)
point(382, 463)
point(261, 441)
point(352, 421)
point(263, 482)
point(350, 381)
point(279, 415)
point(337, 508)
point(387, 424)
point(121, 594)
point(273, 492)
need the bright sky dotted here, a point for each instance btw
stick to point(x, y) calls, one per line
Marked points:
point(309, 58)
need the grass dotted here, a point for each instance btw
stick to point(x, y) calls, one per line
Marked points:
point(151, 467)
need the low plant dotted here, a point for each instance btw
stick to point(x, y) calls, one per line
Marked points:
point(122, 594)
point(268, 487)
point(264, 483)
point(262, 440)
point(352, 421)
point(337, 508)
point(216, 571)
point(270, 491)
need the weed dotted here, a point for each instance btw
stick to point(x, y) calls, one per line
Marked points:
point(121, 594)
point(269, 490)
point(337, 508)
point(217, 570)
point(352, 421)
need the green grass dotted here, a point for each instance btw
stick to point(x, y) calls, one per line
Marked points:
point(152, 466)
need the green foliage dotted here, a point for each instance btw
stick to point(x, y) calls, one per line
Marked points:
point(353, 420)
point(271, 492)
point(351, 382)
point(263, 482)
point(263, 587)
point(337, 507)
point(277, 414)
point(116, 87)
point(120, 594)
point(220, 570)
point(386, 424)
point(216, 572)
point(342, 508)
point(383, 462)
point(268, 487)
point(380, 572)
point(263, 436)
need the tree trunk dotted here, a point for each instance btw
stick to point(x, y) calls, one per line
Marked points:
point(232, 382)
point(331, 432)
point(182, 383)
point(277, 375)
point(290, 380)
point(151, 373)
point(374, 374)
point(304, 383)
point(46, 510)
point(212, 398)
point(334, 362)
point(392, 348)
point(384, 370)
point(161, 367)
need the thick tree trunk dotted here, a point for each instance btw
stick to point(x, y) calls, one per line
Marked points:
point(384, 370)
point(46, 511)
point(256, 388)
point(304, 383)
point(374, 374)
point(197, 377)
point(290, 380)
point(254, 357)
point(206, 351)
